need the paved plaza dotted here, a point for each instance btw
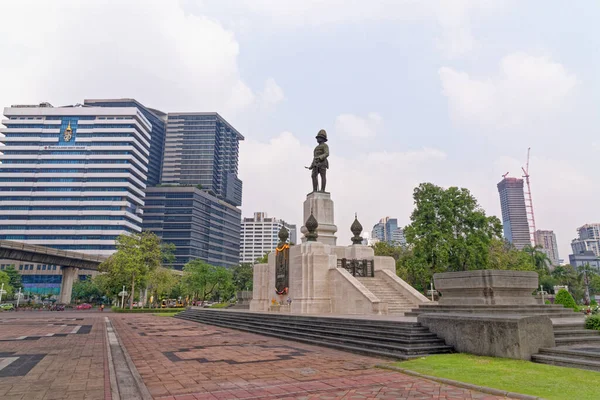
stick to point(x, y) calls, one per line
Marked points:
point(94, 355)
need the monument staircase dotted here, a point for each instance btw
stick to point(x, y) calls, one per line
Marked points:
point(373, 337)
point(396, 300)
point(576, 346)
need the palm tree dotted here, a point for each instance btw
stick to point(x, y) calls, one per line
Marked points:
point(539, 258)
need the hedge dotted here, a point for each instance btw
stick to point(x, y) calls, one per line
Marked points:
point(146, 310)
point(593, 322)
point(563, 297)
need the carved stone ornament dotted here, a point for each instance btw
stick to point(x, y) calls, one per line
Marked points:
point(311, 226)
point(356, 229)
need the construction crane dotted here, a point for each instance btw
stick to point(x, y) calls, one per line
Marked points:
point(505, 175)
point(529, 201)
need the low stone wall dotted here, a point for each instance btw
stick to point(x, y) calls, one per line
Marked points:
point(493, 287)
point(505, 336)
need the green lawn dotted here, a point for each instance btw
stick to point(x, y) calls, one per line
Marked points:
point(547, 381)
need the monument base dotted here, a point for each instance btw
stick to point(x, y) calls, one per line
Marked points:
point(321, 205)
point(486, 287)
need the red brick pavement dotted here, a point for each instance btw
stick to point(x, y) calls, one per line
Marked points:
point(70, 366)
point(183, 360)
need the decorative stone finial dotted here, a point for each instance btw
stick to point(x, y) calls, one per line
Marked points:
point(283, 234)
point(356, 229)
point(311, 225)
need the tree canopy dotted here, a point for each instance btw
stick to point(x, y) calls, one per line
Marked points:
point(203, 281)
point(449, 231)
point(242, 276)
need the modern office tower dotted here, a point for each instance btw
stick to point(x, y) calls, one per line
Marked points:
point(157, 138)
point(202, 149)
point(260, 236)
point(588, 239)
point(73, 178)
point(585, 258)
point(387, 230)
point(514, 212)
point(547, 240)
point(199, 224)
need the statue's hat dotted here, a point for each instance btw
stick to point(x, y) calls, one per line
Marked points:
point(322, 134)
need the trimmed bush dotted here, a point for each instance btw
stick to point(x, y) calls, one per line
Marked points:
point(563, 297)
point(147, 310)
point(593, 322)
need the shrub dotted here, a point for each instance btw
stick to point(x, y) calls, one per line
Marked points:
point(593, 322)
point(563, 297)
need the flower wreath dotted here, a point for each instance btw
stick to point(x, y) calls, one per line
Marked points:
point(284, 291)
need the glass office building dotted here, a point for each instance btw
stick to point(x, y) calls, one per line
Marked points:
point(203, 149)
point(199, 224)
point(72, 178)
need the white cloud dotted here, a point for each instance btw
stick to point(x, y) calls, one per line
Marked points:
point(452, 17)
point(353, 126)
point(275, 181)
point(151, 50)
point(272, 93)
point(529, 89)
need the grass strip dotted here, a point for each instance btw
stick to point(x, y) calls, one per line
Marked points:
point(518, 376)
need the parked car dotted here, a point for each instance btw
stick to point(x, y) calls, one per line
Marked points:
point(7, 307)
point(84, 306)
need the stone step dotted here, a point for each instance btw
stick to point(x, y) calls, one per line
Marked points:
point(573, 352)
point(407, 341)
point(575, 332)
point(568, 327)
point(571, 362)
point(366, 334)
point(576, 340)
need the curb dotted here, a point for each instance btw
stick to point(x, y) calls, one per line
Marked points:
point(470, 386)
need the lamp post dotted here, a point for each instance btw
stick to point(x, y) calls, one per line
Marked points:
point(2, 291)
point(122, 296)
point(18, 297)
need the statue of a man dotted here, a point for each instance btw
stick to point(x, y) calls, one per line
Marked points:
point(320, 163)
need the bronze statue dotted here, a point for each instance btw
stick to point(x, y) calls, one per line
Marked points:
point(320, 163)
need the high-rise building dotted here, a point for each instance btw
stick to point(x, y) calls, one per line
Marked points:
point(588, 239)
point(514, 212)
point(387, 230)
point(202, 149)
point(73, 178)
point(157, 137)
point(199, 224)
point(547, 240)
point(584, 258)
point(260, 236)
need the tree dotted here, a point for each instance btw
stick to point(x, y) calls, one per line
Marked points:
point(86, 290)
point(264, 259)
point(203, 280)
point(14, 277)
point(161, 282)
point(539, 258)
point(449, 231)
point(389, 250)
point(504, 256)
point(5, 278)
point(242, 276)
point(137, 255)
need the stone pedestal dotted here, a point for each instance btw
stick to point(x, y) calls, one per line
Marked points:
point(66, 288)
point(322, 208)
point(486, 287)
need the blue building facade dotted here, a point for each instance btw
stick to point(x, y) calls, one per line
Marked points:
point(199, 224)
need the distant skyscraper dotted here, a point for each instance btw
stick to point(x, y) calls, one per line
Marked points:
point(260, 236)
point(588, 239)
point(202, 149)
point(387, 230)
point(514, 212)
point(547, 239)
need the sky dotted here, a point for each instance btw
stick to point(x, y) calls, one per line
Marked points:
point(451, 92)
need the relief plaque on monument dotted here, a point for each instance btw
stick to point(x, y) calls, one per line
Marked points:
point(282, 263)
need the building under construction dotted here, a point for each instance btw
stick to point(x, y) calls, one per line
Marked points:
point(514, 212)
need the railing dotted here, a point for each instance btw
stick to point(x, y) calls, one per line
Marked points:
point(360, 268)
